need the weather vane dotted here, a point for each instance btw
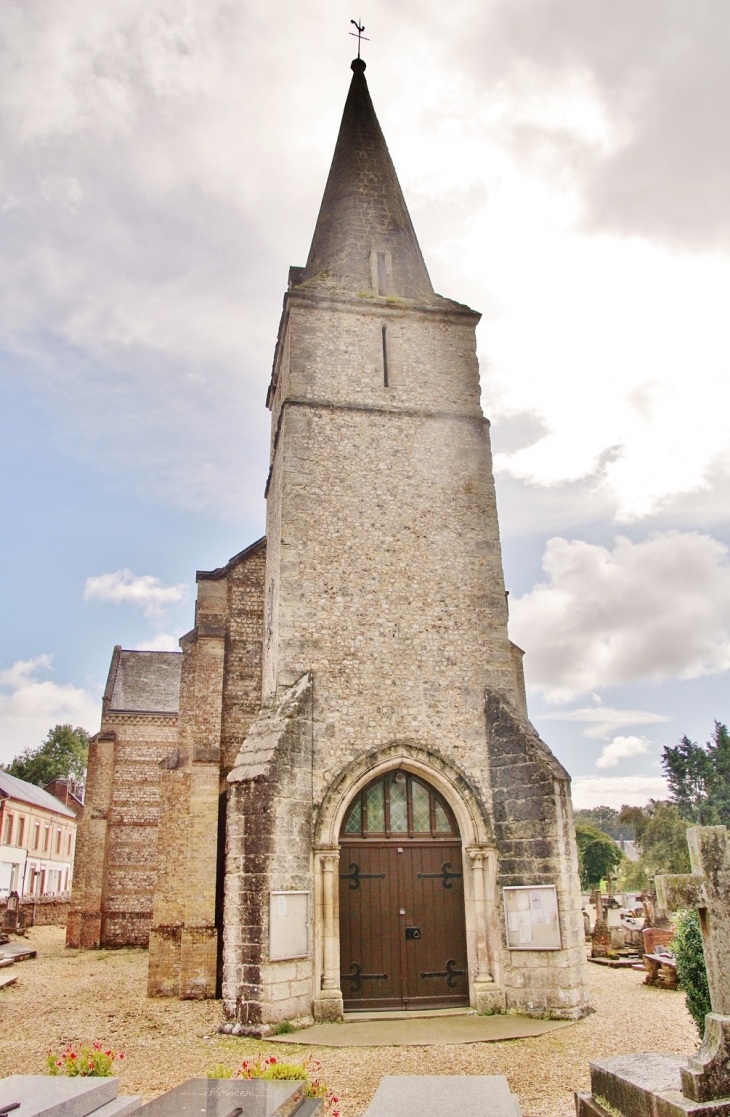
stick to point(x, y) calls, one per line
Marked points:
point(360, 28)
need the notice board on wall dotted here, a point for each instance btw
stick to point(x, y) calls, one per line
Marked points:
point(288, 925)
point(531, 917)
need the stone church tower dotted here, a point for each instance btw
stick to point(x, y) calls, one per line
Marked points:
point(355, 812)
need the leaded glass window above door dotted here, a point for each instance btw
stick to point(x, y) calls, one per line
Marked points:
point(398, 805)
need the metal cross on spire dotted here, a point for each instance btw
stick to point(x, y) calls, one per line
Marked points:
point(358, 34)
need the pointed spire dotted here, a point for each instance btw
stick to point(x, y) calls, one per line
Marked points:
point(364, 239)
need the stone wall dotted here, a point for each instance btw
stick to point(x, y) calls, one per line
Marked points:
point(220, 696)
point(535, 839)
point(45, 911)
point(269, 847)
point(244, 649)
point(115, 866)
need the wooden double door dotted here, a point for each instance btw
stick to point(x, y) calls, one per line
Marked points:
point(402, 928)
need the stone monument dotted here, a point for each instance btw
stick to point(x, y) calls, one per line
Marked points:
point(647, 1085)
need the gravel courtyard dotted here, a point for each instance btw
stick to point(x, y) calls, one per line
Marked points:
point(70, 996)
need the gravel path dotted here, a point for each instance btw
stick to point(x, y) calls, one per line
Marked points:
point(70, 996)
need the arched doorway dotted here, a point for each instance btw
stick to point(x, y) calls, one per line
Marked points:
point(402, 928)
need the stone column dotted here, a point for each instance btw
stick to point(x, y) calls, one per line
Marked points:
point(328, 1000)
point(478, 858)
point(489, 996)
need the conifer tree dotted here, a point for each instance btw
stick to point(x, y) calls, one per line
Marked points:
point(699, 778)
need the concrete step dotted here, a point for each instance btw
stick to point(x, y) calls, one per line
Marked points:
point(404, 1014)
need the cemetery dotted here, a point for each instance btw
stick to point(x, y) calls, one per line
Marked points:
point(62, 996)
point(324, 864)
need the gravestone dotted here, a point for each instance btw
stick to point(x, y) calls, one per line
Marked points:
point(707, 888)
point(648, 1085)
point(226, 1097)
point(600, 935)
point(43, 1095)
point(469, 1095)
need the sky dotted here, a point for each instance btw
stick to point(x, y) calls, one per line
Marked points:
point(567, 168)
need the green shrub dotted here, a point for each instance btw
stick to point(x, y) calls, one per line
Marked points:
point(284, 1028)
point(691, 970)
point(220, 1071)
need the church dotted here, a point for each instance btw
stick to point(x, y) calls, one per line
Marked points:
point(331, 800)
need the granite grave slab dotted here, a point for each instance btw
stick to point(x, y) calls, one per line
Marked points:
point(42, 1095)
point(225, 1097)
point(469, 1095)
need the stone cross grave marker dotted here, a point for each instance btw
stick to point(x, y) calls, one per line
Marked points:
point(707, 888)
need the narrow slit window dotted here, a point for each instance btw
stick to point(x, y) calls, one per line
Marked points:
point(382, 275)
point(385, 358)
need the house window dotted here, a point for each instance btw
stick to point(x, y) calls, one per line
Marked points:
point(36, 835)
point(65, 882)
point(8, 830)
point(58, 841)
point(68, 850)
point(21, 830)
point(46, 838)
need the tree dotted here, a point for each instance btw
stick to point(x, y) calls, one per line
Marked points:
point(598, 854)
point(661, 837)
point(718, 750)
point(699, 778)
point(63, 754)
point(607, 820)
point(688, 769)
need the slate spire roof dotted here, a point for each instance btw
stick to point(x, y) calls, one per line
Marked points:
point(363, 212)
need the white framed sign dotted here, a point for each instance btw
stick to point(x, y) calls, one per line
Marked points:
point(531, 917)
point(288, 925)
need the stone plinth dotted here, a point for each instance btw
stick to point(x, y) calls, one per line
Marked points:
point(643, 1085)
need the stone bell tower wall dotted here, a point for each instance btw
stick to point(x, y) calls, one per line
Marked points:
point(384, 575)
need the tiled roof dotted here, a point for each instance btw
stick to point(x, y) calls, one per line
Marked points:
point(144, 682)
point(29, 793)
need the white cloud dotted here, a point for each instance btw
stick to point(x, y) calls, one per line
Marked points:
point(143, 591)
point(146, 232)
point(655, 610)
point(603, 720)
point(30, 706)
point(162, 642)
point(616, 791)
point(622, 748)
